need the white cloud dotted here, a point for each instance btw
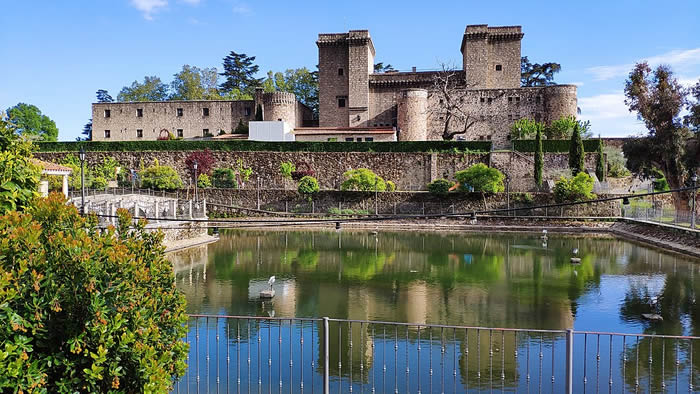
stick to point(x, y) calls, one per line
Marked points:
point(688, 82)
point(241, 9)
point(191, 2)
point(149, 7)
point(679, 58)
point(576, 83)
point(609, 115)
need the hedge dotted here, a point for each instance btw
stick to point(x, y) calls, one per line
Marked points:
point(561, 146)
point(252, 146)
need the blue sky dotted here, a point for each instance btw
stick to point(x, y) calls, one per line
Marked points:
point(56, 54)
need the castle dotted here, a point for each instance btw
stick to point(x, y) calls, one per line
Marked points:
point(354, 97)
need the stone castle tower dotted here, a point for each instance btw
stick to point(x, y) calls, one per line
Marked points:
point(491, 56)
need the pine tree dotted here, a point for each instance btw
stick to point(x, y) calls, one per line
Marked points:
point(239, 71)
point(539, 157)
point(576, 152)
point(600, 162)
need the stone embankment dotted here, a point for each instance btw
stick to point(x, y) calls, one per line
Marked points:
point(680, 240)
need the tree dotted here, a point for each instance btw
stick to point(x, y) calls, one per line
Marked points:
point(577, 155)
point(194, 83)
point(152, 89)
point(19, 179)
point(450, 91)
point(577, 188)
point(381, 68)
point(692, 120)
point(308, 186)
point(204, 159)
point(159, 177)
point(258, 113)
point(658, 99)
point(239, 71)
point(87, 131)
point(300, 81)
point(87, 309)
point(535, 74)
point(481, 178)
point(363, 179)
point(524, 128)
point(600, 171)
point(103, 96)
point(539, 158)
point(27, 120)
point(561, 129)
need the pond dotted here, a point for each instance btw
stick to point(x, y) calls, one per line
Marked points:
point(449, 278)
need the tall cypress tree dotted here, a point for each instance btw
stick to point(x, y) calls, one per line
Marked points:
point(576, 152)
point(600, 162)
point(539, 157)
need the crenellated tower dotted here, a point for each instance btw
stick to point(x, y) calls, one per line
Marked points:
point(491, 56)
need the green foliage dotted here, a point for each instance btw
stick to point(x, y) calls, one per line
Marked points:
point(27, 120)
point(19, 178)
point(535, 74)
point(577, 154)
point(99, 183)
point(203, 181)
point(84, 309)
point(390, 186)
point(363, 179)
point(258, 146)
point(243, 171)
point(224, 178)
point(562, 128)
point(522, 198)
point(239, 72)
point(348, 211)
point(242, 128)
point(578, 188)
point(659, 180)
point(103, 96)
point(74, 180)
point(440, 186)
point(107, 169)
point(194, 83)
point(524, 128)
point(160, 178)
point(617, 164)
point(308, 186)
point(600, 164)
point(286, 169)
point(481, 178)
point(551, 146)
point(152, 89)
point(539, 158)
point(300, 81)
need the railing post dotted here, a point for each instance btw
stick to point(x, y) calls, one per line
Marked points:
point(326, 331)
point(569, 361)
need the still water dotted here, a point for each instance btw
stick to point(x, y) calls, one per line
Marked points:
point(466, 279)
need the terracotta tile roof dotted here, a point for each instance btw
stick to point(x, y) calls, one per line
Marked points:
point(47, 166)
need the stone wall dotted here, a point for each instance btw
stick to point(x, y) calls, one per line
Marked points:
point(393, 203)
point(333, 84)
point(485, 48)
point(410, 171)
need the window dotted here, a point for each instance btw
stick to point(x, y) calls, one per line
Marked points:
point(247, 111)
point(108, 113)
point(482, 99)
point(510, 99)
point(490, 99)
point(279, 119)
point(341, 103)
point(205, 132)
point(481, 137)
point(369, 139)
point(510, 117)
point(517, 99)
point(488, 137)
point(441, 101)
point(359, 139)
point(139, 112)
point(499, 67)
point(340, 71)
point(107, 133)
point(179, 133)
point(205, 111)
point(332, 139)
point(537, 99)
point(349, 139)
point(179, 112)
point(139, 133)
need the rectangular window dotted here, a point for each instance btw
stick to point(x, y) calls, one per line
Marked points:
point(349, 139)
point(369, 139)
point(510, 99)
point(205, 111)
point(482, 99)
point(108, 113)
point(179, 112)
point(139, 112)
point(488, 137)
point(340, 71)
point(537, 99)
point(341, 103)
point(490, 99)
point(107, 134)
point(179, 133)
point(247, 111)
point(359, 139)
point(139, 133)
point(205, 132)
point(499, 67)
point(517, 99)
point(510, 117)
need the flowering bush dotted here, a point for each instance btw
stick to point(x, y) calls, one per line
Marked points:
point(84, 310)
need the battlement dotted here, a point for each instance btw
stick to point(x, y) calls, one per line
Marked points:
point(279, 98)
point(491, 33)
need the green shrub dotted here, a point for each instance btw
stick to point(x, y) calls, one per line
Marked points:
point(260, 146)
point(481, 178)
point(160, 177)
point(242, 128)
point(363, 179)
point(308, 186)
point(553, 146)
point(107, 169)
point(99, 183)
point(390, 186)
point(286, 169)
point(19, 176)
point(522, 198)
point(224, 178)
point(440, 186)
point(524, 128)
point(203, 181)
point(617, 164)
point(348, 211)
point(660, 183)
point(84, 309)
point(578, 188)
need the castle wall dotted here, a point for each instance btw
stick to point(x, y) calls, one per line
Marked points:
point(280, 106)
point(360, 65)
point(332, 56)
point(124, 121)
point(413, 115)
point(491, 56)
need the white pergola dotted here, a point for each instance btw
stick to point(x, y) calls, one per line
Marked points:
point(53, 169)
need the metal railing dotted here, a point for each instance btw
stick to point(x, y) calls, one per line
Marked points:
point(668, 216)
point(239, 353)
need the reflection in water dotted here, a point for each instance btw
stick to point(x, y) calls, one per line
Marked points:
point(488, 280)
